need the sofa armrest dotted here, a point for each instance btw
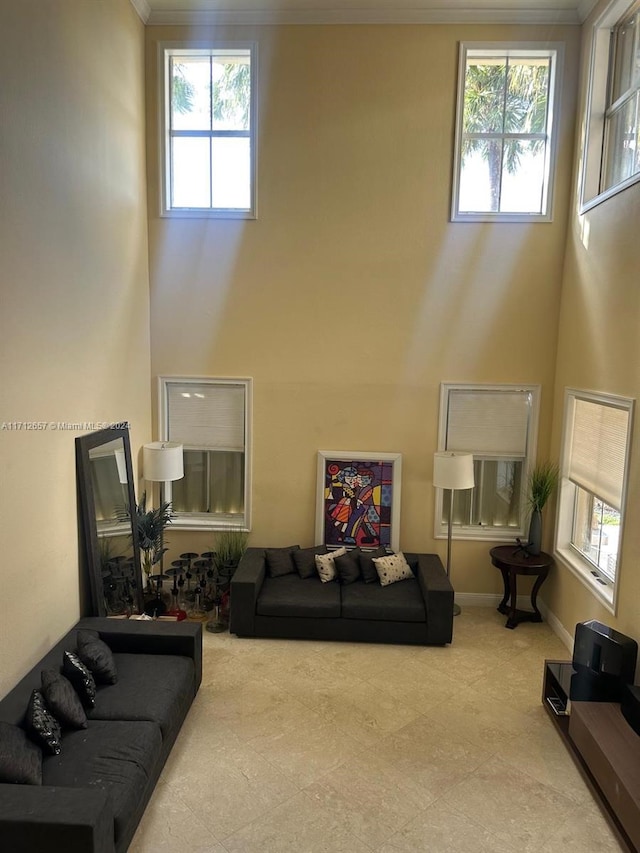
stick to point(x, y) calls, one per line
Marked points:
point(245, 588)
point(438, 596)
point(150, 638)
point(76, 820)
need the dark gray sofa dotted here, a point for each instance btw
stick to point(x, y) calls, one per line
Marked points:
point(94, 793)
point(417, 611)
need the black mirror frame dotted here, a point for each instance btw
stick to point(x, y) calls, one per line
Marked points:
point(86, 499)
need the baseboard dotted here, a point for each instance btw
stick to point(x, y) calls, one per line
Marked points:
point(477, 599)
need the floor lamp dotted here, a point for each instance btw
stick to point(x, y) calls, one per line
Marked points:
point(452, 471)
point(163, 462)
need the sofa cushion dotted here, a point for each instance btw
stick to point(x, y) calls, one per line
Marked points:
point(80, 677)
point(62, 700)
point(295, 596)
point(97, 657)
point(158, 688)
point(367, 566)
point(305, 560)
point(325, 564)
point(41, 726)
point(392, 568)
point(398, 602)
point(20, 758)
point(117, 756)
point(348, 566)
point(279, 561)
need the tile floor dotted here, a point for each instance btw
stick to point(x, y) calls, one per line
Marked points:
point(312, 747)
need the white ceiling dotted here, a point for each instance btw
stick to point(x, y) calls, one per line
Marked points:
point(363, 11)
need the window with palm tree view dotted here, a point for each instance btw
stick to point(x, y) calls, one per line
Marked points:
point(504, 143)
point(209, 121)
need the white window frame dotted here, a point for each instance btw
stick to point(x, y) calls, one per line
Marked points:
point(605, 590)
point(165, 51)
point(594, 132)
point(553, 50)
point(478, 532)
point(206, 521)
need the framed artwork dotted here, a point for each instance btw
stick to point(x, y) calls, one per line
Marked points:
point(358, 499)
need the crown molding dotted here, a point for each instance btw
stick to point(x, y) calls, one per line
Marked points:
point(365, 16)
point(143, 9)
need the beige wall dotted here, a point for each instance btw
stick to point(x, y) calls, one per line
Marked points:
point(73, 288)
point(599, 350)
point(352, 297)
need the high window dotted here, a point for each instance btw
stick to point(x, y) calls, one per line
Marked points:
point(504, 132)
point(594, 462)
point(611, 159)
point(209, 131)
point(211, 418)
point(498, 424)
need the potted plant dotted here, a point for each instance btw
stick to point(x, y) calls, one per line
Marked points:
point(542, 483)
point(151, 524)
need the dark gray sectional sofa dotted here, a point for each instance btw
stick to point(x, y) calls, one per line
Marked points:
point(94, 792)
point(417, 611)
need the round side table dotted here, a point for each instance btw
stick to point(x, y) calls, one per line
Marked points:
point(513, 561)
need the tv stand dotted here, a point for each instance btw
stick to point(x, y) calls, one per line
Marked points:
point(605, 748)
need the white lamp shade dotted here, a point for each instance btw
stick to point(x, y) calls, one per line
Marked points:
point(453, 470)
point(162, 461)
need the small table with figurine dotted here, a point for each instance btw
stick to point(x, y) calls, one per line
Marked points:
point(514, 560)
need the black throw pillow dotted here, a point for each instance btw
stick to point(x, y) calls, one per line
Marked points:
point(83, 682)
point(62, 700)
point(279, 561)
point(348, 566)
point(97, 657)
point(20, 758)
point(41, 726)
point(367, 566)
point(305, 560)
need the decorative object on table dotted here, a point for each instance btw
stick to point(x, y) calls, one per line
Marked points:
point(105, 485)
point(358, 499)
point(542, 483)
point(452, 470)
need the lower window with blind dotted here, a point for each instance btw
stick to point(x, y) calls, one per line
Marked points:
point(498, 424)
point(594, 464)
point(211, 418)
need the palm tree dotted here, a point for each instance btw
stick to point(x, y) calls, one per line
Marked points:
point(232, 94)
point(502, 98)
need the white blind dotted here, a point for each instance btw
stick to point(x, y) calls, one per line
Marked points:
point(494, 423)
point(206, 416)
point(598, 449)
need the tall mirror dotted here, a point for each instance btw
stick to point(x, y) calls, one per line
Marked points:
point(107, 502)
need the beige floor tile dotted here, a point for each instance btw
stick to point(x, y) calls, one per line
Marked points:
point(297, 826)
point(416, 684)
point(584, 831)
point(511, 805)
point(442, 830)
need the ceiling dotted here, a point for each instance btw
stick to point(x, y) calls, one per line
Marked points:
point(362, 11)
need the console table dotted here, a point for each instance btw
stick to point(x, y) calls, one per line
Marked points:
point(513, 561)
point(605, 748)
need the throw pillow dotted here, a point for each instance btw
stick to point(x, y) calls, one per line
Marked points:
point(279, 561)
point(20, 758)
point(80, 677)
point(392, 568)
point(62, 700)
point(305, 560)
point(367, 566)
point(97, 657)
point(348, 566)
point(325, 564)
point(41, 726)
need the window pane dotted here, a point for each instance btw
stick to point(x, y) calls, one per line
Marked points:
point(627, 57)
point(495, 500)
point(480, 176)
point(190, 166)
point(213, 483)
point(232, 172)
point(523, 176)
point(191, 93)
point(484, 95)
point(623, 149)
point(596, 532)
point(231, 93)
point(527, 96)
